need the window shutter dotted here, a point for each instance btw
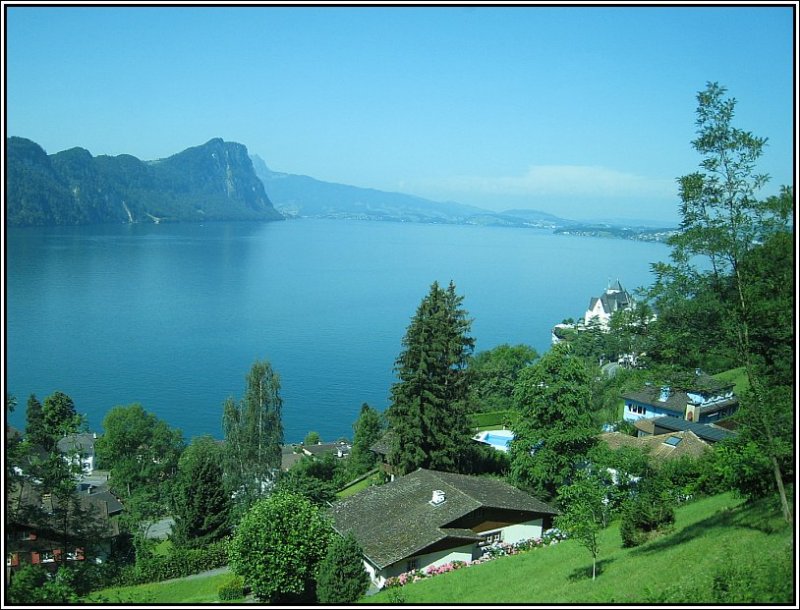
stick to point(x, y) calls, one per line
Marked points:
point(57, 554)
point(32, 536)
point(35, 557)
point(79, 554)
point(14, 559)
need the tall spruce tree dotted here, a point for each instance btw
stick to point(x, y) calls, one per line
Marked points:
point(34, 422)
point(254, 435)
point(342, 578)
point(428, 411)
point(366, 431)
point(201, 503)
point(554, 431)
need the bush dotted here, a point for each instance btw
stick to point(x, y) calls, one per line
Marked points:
point(232, 589)
point(179, 562)
point(342, 577)
point(648, 513)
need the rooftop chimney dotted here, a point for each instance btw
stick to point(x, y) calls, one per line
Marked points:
point(438, 497)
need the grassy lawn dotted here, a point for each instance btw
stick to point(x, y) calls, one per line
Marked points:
point(192, 590)
point(737, 376)
point(490, 420)
point(373, 479)
point(710, 533)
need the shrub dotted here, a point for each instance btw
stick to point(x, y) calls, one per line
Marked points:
point(648, 513)
point(179, 562)
point(231, 589)
point(342, 577)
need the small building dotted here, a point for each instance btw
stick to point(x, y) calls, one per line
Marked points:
point(430, 518)
point(705, 400)
point(78, 449)
point(340, 449)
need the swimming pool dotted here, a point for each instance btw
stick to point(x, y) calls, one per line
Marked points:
point(499, 439)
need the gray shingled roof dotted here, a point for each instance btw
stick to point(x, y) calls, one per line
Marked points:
point(704, 431)
point(77, 443)
point(396, 520)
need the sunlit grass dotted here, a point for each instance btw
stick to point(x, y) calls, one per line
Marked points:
point(709, 534)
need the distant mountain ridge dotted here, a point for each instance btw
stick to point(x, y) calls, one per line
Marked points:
point(302, 196)
point(214, 181)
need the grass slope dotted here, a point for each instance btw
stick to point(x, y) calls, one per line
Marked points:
point(709, 534)
point(196, 589)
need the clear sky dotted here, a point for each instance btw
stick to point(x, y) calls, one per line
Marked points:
point(582, 111)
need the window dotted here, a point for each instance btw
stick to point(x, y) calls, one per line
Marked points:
point(411, 565)
point(47, 556)
point(26, 535)
point(12, 559)
point(493, 537)
point(673, 441)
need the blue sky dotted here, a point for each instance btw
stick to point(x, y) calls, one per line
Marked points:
point(584, 112)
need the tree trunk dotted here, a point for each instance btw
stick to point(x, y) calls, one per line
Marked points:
point(776, 469)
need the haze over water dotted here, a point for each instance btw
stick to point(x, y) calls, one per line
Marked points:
point(173, 316)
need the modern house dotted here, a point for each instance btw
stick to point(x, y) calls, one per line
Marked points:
point(705, 400)
point(78, 449)
point(430, 518)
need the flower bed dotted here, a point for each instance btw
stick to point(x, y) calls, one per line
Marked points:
point(492, 551)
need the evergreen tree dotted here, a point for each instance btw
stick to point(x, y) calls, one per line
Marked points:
point(554, 431)
point(201, 504)
point(366, 431)
point(342, 578)
point(34, 422)
point(428, 411)
point(254, 435)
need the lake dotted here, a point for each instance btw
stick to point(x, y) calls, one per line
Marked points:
point(173, 315)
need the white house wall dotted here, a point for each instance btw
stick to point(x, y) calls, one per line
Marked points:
point(464, 553)
point(523, 531)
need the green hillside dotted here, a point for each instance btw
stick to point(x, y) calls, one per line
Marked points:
point(747, 549)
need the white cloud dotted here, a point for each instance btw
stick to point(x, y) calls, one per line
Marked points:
point(565, 181)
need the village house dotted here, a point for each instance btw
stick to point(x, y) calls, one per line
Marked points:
point(35, 532)
point(430, 518)
point(704, 401)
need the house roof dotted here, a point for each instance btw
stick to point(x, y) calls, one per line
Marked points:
point(383, 446)
point(76, 443)
point(397, 520)
point(676, 401)
point(660, 446)
point(320, 449)
point(706, 432)
point(99, 505)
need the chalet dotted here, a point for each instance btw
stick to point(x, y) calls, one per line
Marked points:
point(705, 400)
point(429, 518)
point(35, 534)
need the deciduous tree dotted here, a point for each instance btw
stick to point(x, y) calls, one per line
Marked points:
point(554, 431)
point(278, 546)
point(253, 435)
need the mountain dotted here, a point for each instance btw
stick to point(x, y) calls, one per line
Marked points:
point(303, 196)
point(214, 181)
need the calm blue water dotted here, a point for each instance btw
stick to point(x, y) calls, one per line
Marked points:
point(172, 316)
